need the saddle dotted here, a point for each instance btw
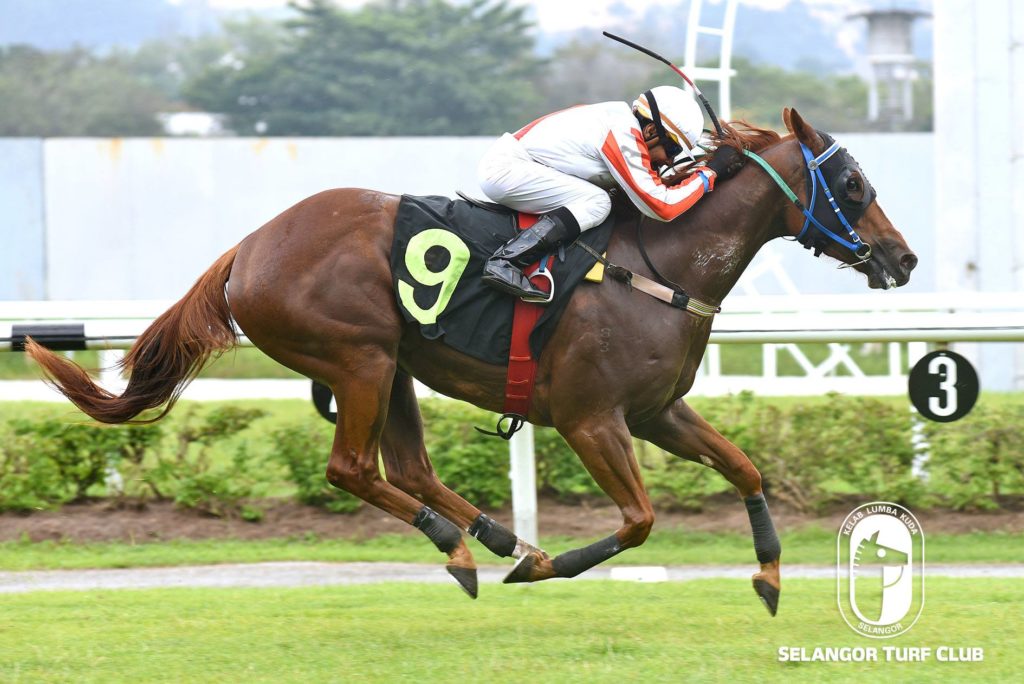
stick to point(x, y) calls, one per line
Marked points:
point(437, 257)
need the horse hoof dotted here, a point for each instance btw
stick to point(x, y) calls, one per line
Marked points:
point(466, 577)
point(522, 570)
point(768, 594)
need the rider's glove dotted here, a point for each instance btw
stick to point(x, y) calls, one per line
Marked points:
point(727, 162)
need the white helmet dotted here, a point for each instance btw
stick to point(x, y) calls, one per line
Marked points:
point(680, 115)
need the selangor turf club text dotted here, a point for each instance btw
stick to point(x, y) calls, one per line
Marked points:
point(897, 654)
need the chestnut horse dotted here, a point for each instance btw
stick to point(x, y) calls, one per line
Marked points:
point(313, 290)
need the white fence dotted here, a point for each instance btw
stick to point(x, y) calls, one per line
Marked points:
point(905, 322)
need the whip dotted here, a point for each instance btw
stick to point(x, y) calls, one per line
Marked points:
point(655, 55)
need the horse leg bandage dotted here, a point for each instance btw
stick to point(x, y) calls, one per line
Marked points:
point(498, 539)
point(572, 563)
point(766, 542)
point(441, 531)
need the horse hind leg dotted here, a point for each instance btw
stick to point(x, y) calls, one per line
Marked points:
point(362, 396)
point(408, 467)
point(604, 445)
point(682, 431)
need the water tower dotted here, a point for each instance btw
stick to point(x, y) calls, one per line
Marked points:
point(891, 55)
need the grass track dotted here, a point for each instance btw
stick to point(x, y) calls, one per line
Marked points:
point(811, 545)
point(709, 630)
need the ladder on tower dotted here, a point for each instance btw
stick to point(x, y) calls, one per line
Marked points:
point(723, 73)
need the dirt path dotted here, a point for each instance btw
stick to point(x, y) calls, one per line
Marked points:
point(307, 574)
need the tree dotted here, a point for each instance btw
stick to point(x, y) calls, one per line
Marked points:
point(597, 71)
point(402, 67)
point(74, 93)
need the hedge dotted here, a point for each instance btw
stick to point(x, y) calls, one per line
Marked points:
point(229, 460)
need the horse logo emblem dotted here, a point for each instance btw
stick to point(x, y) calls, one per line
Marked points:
point(880, 570)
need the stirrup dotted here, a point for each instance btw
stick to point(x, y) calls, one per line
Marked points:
point(551, 292)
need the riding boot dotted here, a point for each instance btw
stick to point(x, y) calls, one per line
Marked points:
point(504, 270)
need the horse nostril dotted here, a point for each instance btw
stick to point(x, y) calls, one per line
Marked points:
point(908, 262)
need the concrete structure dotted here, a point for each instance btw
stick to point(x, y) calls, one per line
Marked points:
point(891, 55)
point(88, 219)
point(979, 162)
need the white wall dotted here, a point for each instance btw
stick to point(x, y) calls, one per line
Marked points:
point(142, 218)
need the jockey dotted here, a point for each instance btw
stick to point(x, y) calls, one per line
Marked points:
point(563, 164)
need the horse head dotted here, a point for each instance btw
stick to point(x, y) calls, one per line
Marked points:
point(845, 221)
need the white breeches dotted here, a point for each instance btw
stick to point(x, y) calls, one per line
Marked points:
point(510, 177)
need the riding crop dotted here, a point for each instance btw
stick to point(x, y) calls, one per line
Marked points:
point(655, 55)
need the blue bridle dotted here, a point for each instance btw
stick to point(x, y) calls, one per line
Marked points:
point(816, 179)
point(815, 234)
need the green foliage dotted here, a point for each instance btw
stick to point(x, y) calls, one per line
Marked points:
point(192, 478)
point(559, 470)
point(303, 449)
point(811, 452)
point(407, 67)
point(674, 483)
point(975, 460)
point(26, 482)
point(472, 464)
point(51, 462)
point(807, 453)
point(74, 93)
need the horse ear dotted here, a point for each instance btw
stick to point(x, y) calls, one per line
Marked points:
point(785, 118)
point(803, 131)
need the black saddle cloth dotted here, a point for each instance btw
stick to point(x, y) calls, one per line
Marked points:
point(437, 258)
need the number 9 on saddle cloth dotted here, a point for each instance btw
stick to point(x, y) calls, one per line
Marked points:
point(438, 253)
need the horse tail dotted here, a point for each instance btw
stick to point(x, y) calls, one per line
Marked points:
point(163, 360)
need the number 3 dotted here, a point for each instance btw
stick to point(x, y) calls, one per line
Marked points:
point(447, 278)
point(946, 368)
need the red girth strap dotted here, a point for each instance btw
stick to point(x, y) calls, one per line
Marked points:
point(522, 367)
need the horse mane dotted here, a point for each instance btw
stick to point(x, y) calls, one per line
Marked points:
point(745, 136)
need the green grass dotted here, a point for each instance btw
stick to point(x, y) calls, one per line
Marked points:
point(574, 631)
point(810, 546)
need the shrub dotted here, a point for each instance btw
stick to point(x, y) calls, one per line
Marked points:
point(191, 478)
point(27, 482)
point(50, 462)
point(808, 453)
point(977, 459)
point(304, 449)
point(674, 482)
point(472, 464)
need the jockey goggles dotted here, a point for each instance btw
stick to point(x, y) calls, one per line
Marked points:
point(672, 146)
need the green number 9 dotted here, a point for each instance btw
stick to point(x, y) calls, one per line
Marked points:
point(447, 278)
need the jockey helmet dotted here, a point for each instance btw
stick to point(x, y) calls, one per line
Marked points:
point(681, 117)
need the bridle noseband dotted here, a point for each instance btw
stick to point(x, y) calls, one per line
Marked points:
point(824, 208)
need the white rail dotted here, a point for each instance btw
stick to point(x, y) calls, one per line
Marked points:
point(933, 317)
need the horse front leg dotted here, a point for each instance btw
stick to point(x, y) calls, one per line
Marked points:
point(604, 445)
point(682, 431)
point(407, 466)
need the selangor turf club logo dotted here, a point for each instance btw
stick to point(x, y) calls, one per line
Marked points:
point(880, 570)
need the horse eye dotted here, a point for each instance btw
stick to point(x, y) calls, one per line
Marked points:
point(852, 184)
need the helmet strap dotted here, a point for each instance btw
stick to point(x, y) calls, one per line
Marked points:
point(656, 117)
